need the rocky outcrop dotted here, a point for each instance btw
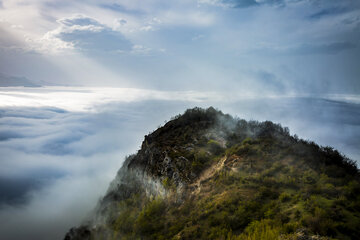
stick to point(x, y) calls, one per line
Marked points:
point(211, 162)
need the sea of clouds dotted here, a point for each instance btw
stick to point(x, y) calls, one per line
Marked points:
point(60, 146)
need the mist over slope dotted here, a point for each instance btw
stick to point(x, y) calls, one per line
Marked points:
point(207, 175)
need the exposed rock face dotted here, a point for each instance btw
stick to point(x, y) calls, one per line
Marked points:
point(79, 233)
point(184, 162)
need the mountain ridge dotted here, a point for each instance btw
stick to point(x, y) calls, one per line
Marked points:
point(207, 175)
point(14, 81)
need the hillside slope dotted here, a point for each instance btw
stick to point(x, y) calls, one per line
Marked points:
point(207, 175)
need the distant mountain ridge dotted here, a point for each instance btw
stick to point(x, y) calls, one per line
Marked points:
point(207, 175)
point(13, 81)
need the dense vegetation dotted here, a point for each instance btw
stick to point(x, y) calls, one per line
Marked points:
point(244, 180)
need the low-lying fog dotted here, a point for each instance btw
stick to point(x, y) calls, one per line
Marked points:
point(60, 147)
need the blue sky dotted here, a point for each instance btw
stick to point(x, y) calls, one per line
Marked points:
point(258, 46)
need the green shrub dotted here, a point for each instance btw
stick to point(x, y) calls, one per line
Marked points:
point(284, 197)
point(320, 223)
point(261, 230)
point(168, 183)
point(215, 147)
point(150, 218)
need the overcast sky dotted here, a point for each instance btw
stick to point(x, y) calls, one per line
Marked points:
point(261, 46)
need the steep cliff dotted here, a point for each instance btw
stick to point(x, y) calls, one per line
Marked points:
point(207, 175)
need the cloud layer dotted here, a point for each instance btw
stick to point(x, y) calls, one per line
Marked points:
point(56, 162)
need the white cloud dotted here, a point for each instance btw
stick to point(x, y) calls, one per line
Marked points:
point(78, 20)
point(48, 44)
point(155, 20)
point(81, 32)
point(147, 28)
point(119, 23)
point(17, 26)
point(197, 37)
point(87, 98)
point(140, 49)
